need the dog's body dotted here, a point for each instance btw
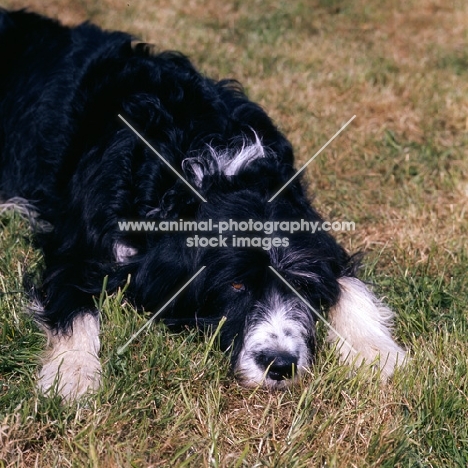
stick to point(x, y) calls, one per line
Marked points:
point(64, 149)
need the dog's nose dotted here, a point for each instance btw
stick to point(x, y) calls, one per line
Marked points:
point(279, 366)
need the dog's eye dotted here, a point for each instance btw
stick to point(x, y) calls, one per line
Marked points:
point(238, 286)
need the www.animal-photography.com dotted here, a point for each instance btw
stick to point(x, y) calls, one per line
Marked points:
point(233, 234)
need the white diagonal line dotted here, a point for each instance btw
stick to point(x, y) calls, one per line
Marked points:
point(320, 316)
point(311, 159)
point(161, 157)
point(148, 323)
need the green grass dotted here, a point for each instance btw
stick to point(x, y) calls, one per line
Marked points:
point(400, 171)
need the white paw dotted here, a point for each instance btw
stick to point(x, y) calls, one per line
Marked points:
point(72, 366)
point(71, 373)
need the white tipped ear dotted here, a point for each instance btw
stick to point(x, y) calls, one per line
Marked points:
point(250, 152)
point(364, 326)
point(228, 161)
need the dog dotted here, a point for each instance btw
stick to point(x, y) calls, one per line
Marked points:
point(98, 131)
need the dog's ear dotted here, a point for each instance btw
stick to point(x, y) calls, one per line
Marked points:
point(233, 162)
point(227, 162)
point(362, 326)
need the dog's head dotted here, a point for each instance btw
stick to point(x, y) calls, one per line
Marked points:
point(268, 284)
point(266, 277)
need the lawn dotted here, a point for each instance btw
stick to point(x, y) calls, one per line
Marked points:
point(399, 171)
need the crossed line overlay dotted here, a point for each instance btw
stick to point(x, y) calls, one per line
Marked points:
point(146, 142)
point(122, 349)
point(312, 158)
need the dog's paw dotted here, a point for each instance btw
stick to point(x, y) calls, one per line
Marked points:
point(71, 374)
point(72, 367)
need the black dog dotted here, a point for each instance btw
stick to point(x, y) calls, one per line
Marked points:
point(64, 149)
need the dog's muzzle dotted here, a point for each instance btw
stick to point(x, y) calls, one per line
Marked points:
point(277, 344)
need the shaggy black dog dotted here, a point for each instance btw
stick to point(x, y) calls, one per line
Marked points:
point(64, 149)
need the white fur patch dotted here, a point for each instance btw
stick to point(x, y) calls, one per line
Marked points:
point(72, 364)
point(364, 322)
point(123, 252)
point(283, 328)
point(226, 162)
point(233, 165)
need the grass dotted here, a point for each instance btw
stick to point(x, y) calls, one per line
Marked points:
point(400, 172)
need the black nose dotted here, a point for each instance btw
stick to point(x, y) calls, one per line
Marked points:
point(279, 366)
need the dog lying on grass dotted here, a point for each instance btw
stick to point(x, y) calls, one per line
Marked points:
point(205, 208)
